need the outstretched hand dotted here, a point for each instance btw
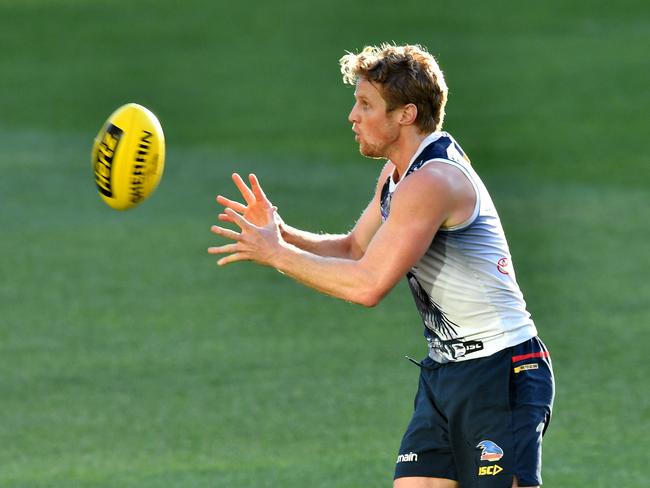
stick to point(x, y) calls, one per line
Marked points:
point(259, 236)
point(257, 207)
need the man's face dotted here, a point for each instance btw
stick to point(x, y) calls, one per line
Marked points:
point(376, 131)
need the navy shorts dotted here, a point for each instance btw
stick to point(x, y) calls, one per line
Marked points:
point(481, 421)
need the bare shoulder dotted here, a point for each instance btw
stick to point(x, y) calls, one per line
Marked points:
point(431, 178)
point(437, 188)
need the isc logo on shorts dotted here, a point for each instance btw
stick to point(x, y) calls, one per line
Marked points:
point(490, 452)
point(489, 470)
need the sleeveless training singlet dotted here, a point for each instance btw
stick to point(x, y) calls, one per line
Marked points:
point(464, 286)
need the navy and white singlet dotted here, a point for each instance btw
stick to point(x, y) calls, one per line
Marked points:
point(464, 286)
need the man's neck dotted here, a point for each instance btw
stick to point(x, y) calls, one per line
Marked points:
point(404, 151)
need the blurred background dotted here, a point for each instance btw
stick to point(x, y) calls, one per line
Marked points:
point(128, 359)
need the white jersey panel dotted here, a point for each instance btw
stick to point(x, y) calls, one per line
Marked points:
point(465, 286)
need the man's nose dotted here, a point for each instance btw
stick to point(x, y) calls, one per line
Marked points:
point(352, 116)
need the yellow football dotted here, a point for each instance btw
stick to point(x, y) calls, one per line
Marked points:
point(128, 156)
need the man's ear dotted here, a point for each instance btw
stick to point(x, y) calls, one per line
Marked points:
point(409, 114)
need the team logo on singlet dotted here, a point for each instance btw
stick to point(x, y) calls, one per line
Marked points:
point(432, 315)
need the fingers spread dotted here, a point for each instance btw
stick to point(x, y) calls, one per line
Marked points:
point(236, 218)
point(227, 202)
point(231, 259)
point(245, 191)
point(227, 233)
point(257, 188)
point(225, 249)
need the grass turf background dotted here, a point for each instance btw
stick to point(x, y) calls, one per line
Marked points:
point(129, 359)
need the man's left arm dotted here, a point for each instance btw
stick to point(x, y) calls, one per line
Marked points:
point(419, 206)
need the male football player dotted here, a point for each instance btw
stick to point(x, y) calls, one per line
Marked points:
point(486, 387)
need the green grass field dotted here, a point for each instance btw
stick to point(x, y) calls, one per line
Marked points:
point(128, 359)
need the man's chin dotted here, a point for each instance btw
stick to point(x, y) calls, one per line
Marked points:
point(370, 152)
